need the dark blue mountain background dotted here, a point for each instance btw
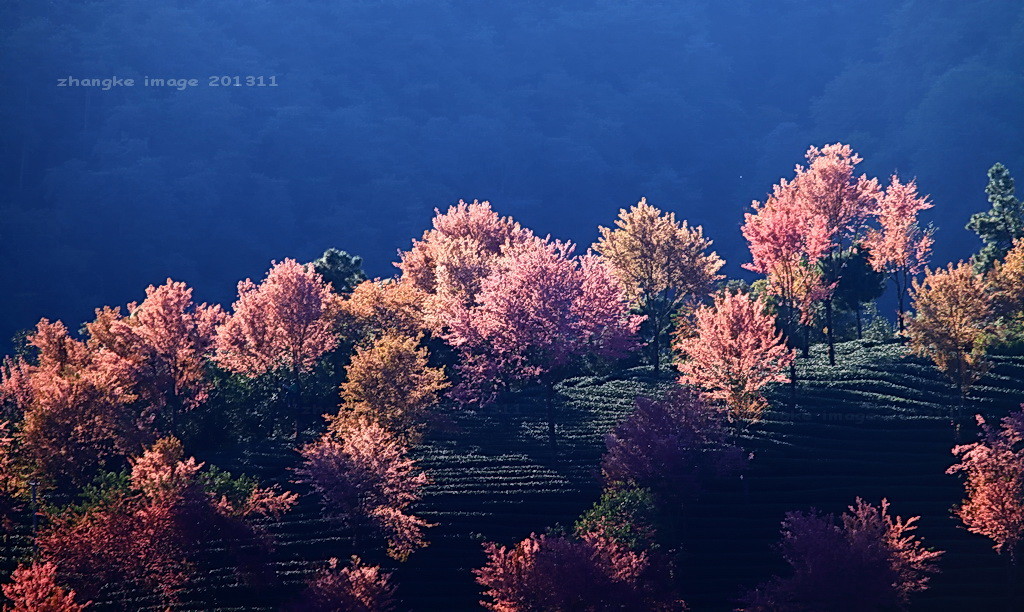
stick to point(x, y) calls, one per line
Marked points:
point(385, 110)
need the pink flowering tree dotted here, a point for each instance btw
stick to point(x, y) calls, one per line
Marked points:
point(869, 560)
point(283, 325)
point(462, 249)
point(591, 572)
point(77, 406)
point(365, 478)
point(166, 340)
point(994, 480)
point(736, 351)
point(825, 207)
point(151, 530)
point(900, 247)
point(540, 308)
point(787, 245)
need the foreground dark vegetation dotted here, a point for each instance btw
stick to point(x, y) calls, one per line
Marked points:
point(529, 427)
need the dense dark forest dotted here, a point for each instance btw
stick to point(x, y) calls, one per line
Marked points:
point(560, 114)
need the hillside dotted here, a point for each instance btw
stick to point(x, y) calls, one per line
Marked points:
point(876, 425)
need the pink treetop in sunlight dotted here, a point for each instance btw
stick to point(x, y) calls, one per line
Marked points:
point(167, 339)
point(34, 588)
point(994, 469)
point(786, 243)
point(538, 309)
point(453, 258)
point(900, 248)
point(287, 321)
point(76, 404)
point(830, 191)
point(593, 572)
point(736, 351)
point(869, 561)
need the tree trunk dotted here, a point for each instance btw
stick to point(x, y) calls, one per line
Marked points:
point(860, 324)
point(962, 387)
point(296, 400)
point(551, 416)
point(829, 333)
point(792, 384)
point(901, 294)
point(656, 357)
point(1011, 584)
point(807, 342)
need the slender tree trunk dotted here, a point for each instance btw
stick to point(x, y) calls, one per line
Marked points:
point(792, 384)
point(962, 387)
point(296, 399)
point(901, 295)
point(552, 440)
point(656, 357)
point(1011, 584)
point(829, 333)
point(807, 342)
point(860, 324)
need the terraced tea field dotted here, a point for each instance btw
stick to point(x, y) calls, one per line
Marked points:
point(876, 425)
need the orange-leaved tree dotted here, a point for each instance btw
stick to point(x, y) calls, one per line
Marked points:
point(390, 382)
point(34, 588)
point(661, 263)
point(954, 324)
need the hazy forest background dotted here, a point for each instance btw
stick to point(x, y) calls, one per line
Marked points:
point(386, 110)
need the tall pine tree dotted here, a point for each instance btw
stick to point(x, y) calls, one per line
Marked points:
point(999, 226)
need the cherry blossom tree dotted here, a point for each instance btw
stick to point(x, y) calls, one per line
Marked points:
point(787, 245)
point(736, 351)
point(900, 248)
point(166, 340)
point(994, 480)
point(365, 478)
point(809, 222)
point(287, 321)
point(870, 560)
point(591, 572)
point(672, 445)
point(540, 309)
point(831, 192)
point(661, 263)
point(356, 587)
point(77, 405)
point(283, 325)
point(454, 257)
point(34, 588)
